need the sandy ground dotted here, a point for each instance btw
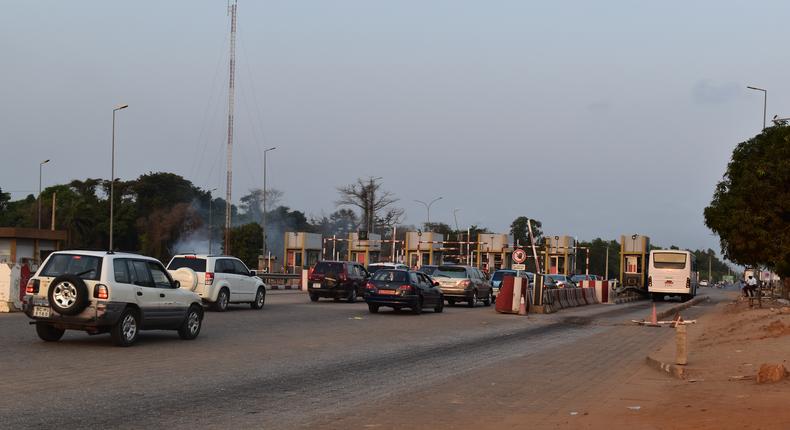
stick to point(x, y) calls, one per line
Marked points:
point(726, 349)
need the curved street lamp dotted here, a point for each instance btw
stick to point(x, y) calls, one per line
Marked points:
point(428, 207)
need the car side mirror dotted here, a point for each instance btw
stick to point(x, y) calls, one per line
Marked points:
point(435, 283)
point(176, 284)
point(253, 273)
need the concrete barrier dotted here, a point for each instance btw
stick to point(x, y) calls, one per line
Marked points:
point(564, 298)
point(572, 297)
point(10, 287)
point(580, 296)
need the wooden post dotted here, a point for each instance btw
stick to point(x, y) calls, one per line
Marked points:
point(681, 345)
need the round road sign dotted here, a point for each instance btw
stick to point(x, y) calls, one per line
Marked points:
point(519, 256)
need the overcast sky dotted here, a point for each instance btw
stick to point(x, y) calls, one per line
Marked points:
point(598, 118)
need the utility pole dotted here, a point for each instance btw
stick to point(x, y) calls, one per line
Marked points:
point(607, 261)
point(210, 225)
point(231, 101)
point(263, 224)
point(40, 168)
point(710, 258)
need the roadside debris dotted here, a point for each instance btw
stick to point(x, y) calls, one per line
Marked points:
point(771, 372)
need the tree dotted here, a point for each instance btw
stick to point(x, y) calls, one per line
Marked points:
point(376, 204)
point(246, 242)
point(520, 232)
point(750, 210)
point(439, 227)
point(252, 203)
point(4, 199)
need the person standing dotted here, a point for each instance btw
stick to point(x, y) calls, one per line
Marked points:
point(751, 286)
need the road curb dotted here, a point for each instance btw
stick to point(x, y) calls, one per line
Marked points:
point(677, 308)
point(674, 370)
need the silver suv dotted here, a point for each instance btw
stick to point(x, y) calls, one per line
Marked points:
point(463, 283)
point(101, 292)
point(219, 280)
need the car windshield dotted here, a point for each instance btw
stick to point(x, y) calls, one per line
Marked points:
point(669, 260)
point(428, 270)
point(557, 277)
point(391, 276)
point(196, 264)
point(327, 268)
point(451, 272)
point(577, 278)
point(501, 273)
point(85, 266)
point(376, 267)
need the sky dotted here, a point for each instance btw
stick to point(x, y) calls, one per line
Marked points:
point(597, 118)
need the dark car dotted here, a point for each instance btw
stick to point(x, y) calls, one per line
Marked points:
point(496, 278)
point(403, 289)
point(337, 280)
point(463, 283)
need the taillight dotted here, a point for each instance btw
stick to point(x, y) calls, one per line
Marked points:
point(209, 278)
point(370, 286)
point(649, 281)
point(406, 289)
point(310, 272)
point(32, 286)
point(464, 284)
point(688, 282)
point(343, 277)
point(100, 292)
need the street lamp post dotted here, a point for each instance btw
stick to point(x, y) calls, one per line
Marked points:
point(210, 226)
point(112, 169)
point(263, 251)
point(765, 101)
point(428, 207)
point(40, 166)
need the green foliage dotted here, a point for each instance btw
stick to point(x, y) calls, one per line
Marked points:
point(750, 210)
point(439, 227)
point(520, 231)
point(246, 243)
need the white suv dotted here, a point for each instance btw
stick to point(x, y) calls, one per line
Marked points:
point(101, 292)
point(218, 279)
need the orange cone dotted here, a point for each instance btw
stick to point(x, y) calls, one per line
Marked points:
point(653, 317)
point(522, 309)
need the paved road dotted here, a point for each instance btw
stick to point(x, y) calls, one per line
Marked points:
point(297, 364)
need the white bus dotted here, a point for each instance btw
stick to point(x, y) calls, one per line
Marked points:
point(672, 272)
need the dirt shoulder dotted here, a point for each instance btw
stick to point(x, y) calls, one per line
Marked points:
point(726, 349)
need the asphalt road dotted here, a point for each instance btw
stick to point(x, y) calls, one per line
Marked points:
point(297, 364)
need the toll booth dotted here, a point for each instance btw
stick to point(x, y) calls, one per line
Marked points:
point(423, 248)
point(634, 253)
point(494, 251)
point(301, 250)
point(559, 254)
point(364, 251)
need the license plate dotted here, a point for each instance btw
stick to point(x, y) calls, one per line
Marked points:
point(316, 285)
point(668, 282)
point(42, 312)
point(387, 292)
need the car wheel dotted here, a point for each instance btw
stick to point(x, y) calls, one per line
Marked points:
point(48, 333)
point(313, 297)
point(451, 302)
point(68, 295)
point(472, 302)
point(352, 296)
point(439, 306)
point(221, 305)
point(374, 309)
point(416, 310)
point(192, 324)
point(487, 301)
point(260, 299)
point(126, 330)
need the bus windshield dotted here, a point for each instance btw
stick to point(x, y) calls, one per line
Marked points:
point(669, 260)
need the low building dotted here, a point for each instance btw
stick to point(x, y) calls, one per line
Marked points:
point(21, 252)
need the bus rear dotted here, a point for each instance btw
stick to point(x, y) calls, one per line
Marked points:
point(671, 272)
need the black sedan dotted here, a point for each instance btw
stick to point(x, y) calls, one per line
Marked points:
point(403, 289)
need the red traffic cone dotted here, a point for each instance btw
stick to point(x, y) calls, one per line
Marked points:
point(653, 317)
point(522, 309)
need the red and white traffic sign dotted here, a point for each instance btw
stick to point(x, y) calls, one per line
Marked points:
point(519, 256)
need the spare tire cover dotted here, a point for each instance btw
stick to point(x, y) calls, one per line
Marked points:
point(187, 277)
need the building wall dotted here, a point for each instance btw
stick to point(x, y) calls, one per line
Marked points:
point(5, 250)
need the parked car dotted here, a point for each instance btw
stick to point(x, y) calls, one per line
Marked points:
point(101, 292)
point(463, 283)
point(428, 269)
point(219, 280)
point(403, 289)
point(561, 281)
point(337, 280)
point(577, 278)
point(496, 278)
point(374, 267)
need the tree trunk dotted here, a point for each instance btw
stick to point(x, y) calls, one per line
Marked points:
point(786, 288)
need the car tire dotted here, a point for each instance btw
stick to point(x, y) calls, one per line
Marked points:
point(192, 324)
point(68, 295)
point(487, 301)
point(472, 302)
point(49, 333)
point(127, 329)
point(260, 299)
point(313, 297)
point(451, 302)
point(439, 306)
point(416, 310)
point(352, 296)
point(223, 298)
point(374, 309)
